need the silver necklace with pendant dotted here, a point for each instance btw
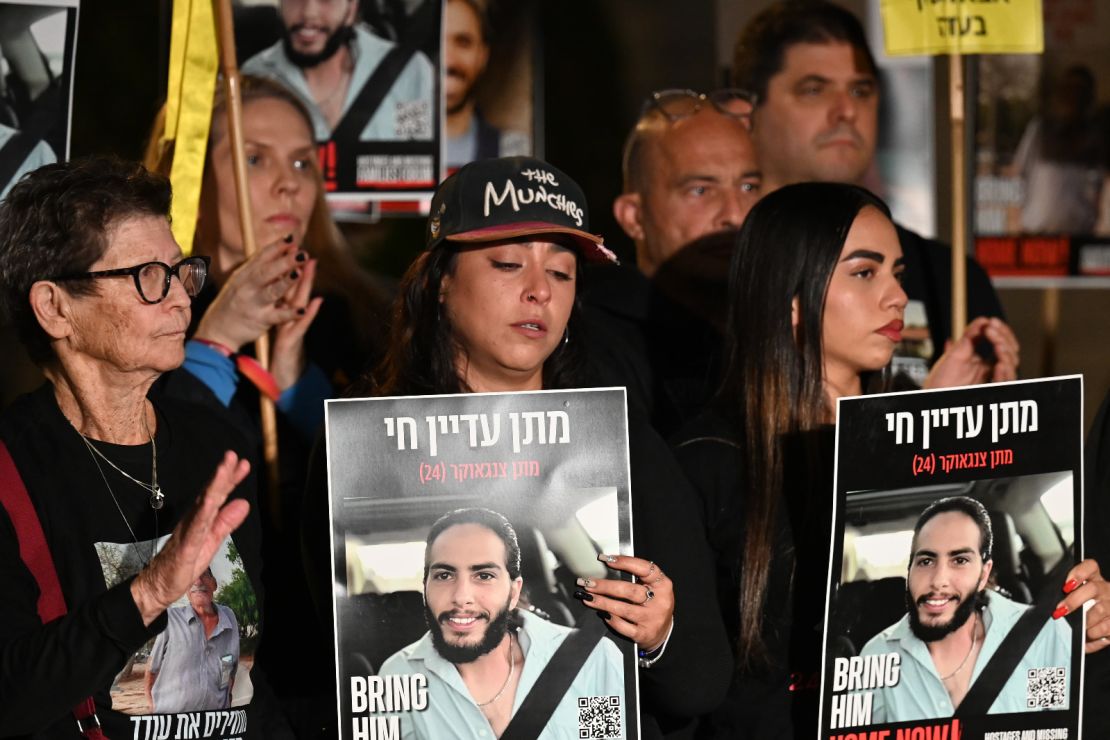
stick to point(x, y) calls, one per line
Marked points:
point(157, 498)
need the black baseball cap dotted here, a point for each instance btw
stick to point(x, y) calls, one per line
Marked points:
point(493, 199)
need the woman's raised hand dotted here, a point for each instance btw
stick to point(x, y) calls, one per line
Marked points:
point(252, 300)
point(287, 359)
point(194, 541)
point(988, 352)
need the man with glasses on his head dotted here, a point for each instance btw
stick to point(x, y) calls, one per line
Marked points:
point(690, 175)
point(689, 169)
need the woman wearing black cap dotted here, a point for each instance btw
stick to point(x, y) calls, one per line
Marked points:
point(490, 306)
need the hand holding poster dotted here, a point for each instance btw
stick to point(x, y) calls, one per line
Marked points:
point(955, 527)
point(461, 526)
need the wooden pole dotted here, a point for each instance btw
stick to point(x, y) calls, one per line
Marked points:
point(229, 67)
point(959, 195)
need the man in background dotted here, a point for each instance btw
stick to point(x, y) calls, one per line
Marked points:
point(817, 119)
point(690, 178)
point(465, 55)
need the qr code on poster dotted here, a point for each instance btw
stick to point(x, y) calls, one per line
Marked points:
point(599, 717)
point(1046, 688)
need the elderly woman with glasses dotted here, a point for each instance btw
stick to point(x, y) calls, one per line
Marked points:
point(102, 529)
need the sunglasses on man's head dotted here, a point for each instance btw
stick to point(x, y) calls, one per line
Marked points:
point(678, 104)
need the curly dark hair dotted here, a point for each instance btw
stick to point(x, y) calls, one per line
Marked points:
point(56, 220)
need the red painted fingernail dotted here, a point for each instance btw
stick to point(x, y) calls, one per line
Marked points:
point(1071, 586)
point(300, 312)
point(301, 257)
point(294, 275)
point(288, 238)
point(1060, 611)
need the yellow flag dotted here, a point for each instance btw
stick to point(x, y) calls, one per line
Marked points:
point(962, 27)
point(192, 83)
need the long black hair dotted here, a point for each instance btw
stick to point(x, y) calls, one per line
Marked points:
point(774, 383)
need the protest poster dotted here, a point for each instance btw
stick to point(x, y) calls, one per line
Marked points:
point(369, 76)
point(957, 512)
point(1042, 153)
point(490, 79)
point(959, 27)
point(37, 49)
point(429, 499)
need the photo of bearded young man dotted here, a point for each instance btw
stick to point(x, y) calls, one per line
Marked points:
point(485, 650)
point(957, 614)
point(327, 55)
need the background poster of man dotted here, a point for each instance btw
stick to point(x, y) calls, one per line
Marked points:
point(455, 588)
point(367, 73)
point(1042, 191)
point(952, 545)
point(36, 62)
point(202, 660)
point(488, 72)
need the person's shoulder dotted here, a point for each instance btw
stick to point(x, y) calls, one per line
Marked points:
point(618, 289)
point(265, 61)
point(514, 143)
point(26, 413)
point(886, 641)
point(937, 253)
point(179, 613)
point(1004, 610)
point(402, 660)
point(366, 41)
point(924, 247)
point(40, 155)
point(227, 611)
point(711, 430)
point(537, 627)
point(200, 424)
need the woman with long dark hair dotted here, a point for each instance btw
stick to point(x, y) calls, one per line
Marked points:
point(491, 306)
point(816, 311)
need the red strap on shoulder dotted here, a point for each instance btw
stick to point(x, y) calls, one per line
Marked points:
point(32, 541)
point(36, 556)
